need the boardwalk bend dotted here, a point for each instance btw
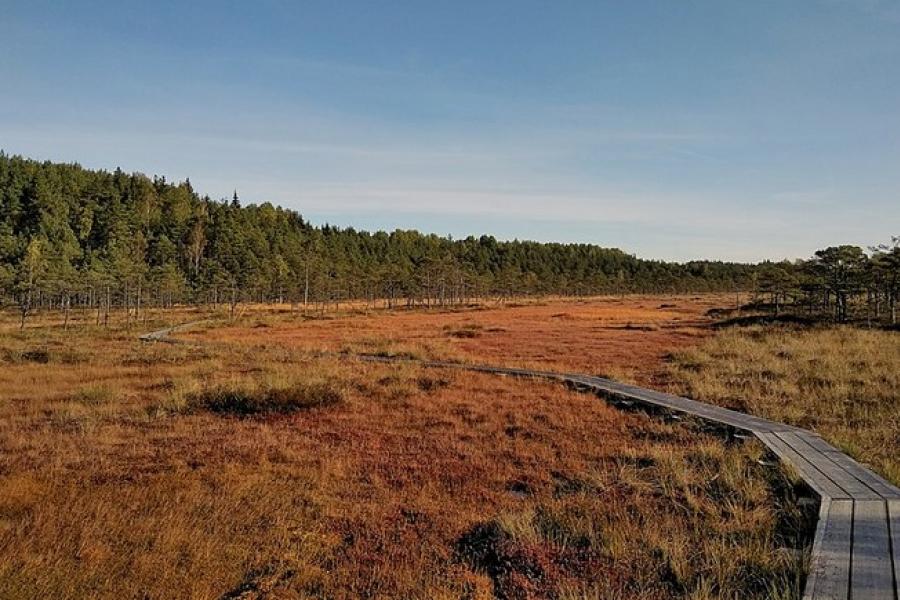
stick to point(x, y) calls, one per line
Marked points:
point(856, 549)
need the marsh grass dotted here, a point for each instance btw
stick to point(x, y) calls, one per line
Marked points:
point(842, 382)
point(721, 531)
point(118, 480)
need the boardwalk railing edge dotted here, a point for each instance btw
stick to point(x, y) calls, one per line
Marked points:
point(855, 553)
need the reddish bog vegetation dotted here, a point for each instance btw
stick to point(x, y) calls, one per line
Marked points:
point(625, 337)
point(250, 469)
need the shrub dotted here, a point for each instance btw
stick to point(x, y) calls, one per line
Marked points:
point(38, 355)
point(42, 356)
point(246, 402)
point(469, 330)
point(93, 395)
point(517, 569)
point(430, 384)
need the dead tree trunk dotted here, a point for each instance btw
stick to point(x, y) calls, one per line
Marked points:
point(66, 301)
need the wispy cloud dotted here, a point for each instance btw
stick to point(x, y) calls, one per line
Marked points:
point(889, 10)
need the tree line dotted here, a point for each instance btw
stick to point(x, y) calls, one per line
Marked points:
point(843, 283)
point(75, 238)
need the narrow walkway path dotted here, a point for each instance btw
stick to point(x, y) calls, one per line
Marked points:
point(856, 550)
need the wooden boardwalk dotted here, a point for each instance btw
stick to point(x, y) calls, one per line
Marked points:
point(856, 549)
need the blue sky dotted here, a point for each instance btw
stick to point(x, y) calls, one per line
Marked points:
point(721, 129)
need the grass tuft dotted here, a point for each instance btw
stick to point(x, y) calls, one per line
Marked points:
point(93, 395)
point(246, 401)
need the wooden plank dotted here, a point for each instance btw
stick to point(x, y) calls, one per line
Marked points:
point(872, 574)
point(709, 412)
point(819, 482)
point(816, 441)
point(837, 473)
point(877, 483)
point(894, 525)
point(685, 405)
point(636, 394)
point(829, 577)
point(883, 487)
point(816, 551)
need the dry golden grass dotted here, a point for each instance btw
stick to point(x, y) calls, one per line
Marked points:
point(121, 477)
point(842, 382)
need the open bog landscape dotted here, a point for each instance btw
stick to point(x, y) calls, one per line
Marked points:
point(131, 468)
point(500, 300)
point(260, 457)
